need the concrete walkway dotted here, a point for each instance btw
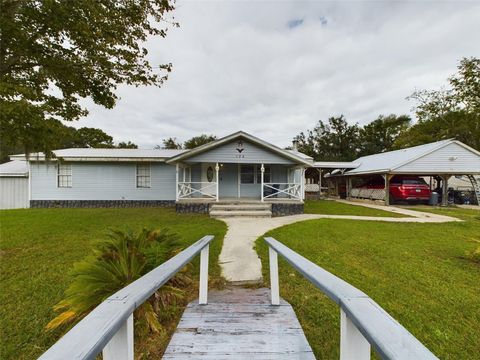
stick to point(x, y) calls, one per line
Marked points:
point(240, 262)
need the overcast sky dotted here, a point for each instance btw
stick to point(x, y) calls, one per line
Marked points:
point(275, 68)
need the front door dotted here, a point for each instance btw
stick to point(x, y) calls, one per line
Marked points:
point(208, 178)
point(228, 185)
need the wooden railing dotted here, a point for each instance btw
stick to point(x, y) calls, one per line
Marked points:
point(282, 190)
point(187, 190)
point(362, 321)
point(109, 327)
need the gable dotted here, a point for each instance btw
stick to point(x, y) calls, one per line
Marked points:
point(240, 151)
point(452, 158)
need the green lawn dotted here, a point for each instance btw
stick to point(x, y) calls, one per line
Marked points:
point(416, 272)
point(38, 248)
point(331, 207)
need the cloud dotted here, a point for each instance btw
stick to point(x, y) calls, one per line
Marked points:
point(294, 23)
point(237, 66)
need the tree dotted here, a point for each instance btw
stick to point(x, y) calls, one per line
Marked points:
point(170, 143)
point(52, 53)
point(380, 135)
point(198, 141)
point(92, 138)
point(126, 145)
point(332, 141)
point(448, 113)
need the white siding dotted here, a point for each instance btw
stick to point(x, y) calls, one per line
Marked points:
point(102, 181)
point(439, 161)
point(14, 193)
point(251, 154)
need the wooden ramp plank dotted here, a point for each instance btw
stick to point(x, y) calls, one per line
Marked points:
point(239, 324)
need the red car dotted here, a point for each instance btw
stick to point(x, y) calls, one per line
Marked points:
point(403, 188)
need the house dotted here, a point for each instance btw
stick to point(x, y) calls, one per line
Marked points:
point(234, 168)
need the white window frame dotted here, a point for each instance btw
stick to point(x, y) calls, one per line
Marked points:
point(68, 175)
point(149, 176)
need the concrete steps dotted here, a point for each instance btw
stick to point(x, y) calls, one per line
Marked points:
point(241, 210)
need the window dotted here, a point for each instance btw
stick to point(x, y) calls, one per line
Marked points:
point(64, 175)
point(250, 174)
point(143, 175)
point(266, 174)
point(247, 174)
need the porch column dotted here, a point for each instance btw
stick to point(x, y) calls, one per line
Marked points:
point(176, 181)
point(218, 180)
point(262, 170)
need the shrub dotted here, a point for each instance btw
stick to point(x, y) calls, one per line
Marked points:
point(116, 262)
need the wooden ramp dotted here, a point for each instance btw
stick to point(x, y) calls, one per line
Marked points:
point(239, 324)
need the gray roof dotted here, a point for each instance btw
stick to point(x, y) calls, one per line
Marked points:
point(14, 168)
point(335, 164)
point(88, 154)
point(389, 161)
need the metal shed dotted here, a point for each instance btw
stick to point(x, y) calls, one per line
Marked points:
point(442, 159)
point(14, 186)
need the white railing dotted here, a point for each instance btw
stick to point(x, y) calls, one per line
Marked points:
point(282, 190)
point(362, 321)
point(373, 194)
point(191, 189)
point(109, 327)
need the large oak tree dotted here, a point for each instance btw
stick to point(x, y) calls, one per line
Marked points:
point(53, 53)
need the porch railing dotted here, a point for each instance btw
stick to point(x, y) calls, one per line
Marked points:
point(362, 321)
point(191, 189)
point(282, 190)
point(109, 327)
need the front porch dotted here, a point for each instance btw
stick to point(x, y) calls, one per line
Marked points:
point(230, 182)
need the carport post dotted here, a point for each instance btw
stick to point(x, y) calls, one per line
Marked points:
point(445, 189)
point(387, 178)
point(349, 187)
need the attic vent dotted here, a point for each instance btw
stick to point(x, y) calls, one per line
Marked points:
point(453, 158)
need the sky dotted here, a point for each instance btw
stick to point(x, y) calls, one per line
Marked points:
point(275, 68)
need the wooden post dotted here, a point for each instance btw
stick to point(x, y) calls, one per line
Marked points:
point(120, 347)
point(274, 286)
point(262, 170)
point(353, 346)
point(445, 190)
point(387, 178)
point(203, 291)
point(216, 174)
point(349, 187)
point(319, 183)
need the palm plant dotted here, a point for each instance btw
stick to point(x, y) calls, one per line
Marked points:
point(116, 262)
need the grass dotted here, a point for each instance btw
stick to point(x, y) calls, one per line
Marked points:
point(39, 247)
point(416, 272)
point(330, 207)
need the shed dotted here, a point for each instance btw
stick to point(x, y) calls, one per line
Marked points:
point(14, 191)
point(441, 159)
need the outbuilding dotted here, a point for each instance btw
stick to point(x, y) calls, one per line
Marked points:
point(439, 161)
point(14, 185)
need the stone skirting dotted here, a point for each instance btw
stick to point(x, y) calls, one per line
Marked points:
point(100, 203)
point(199, 208)
point(285, 209)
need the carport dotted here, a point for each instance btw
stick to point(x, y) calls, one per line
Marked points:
point(441, 159)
